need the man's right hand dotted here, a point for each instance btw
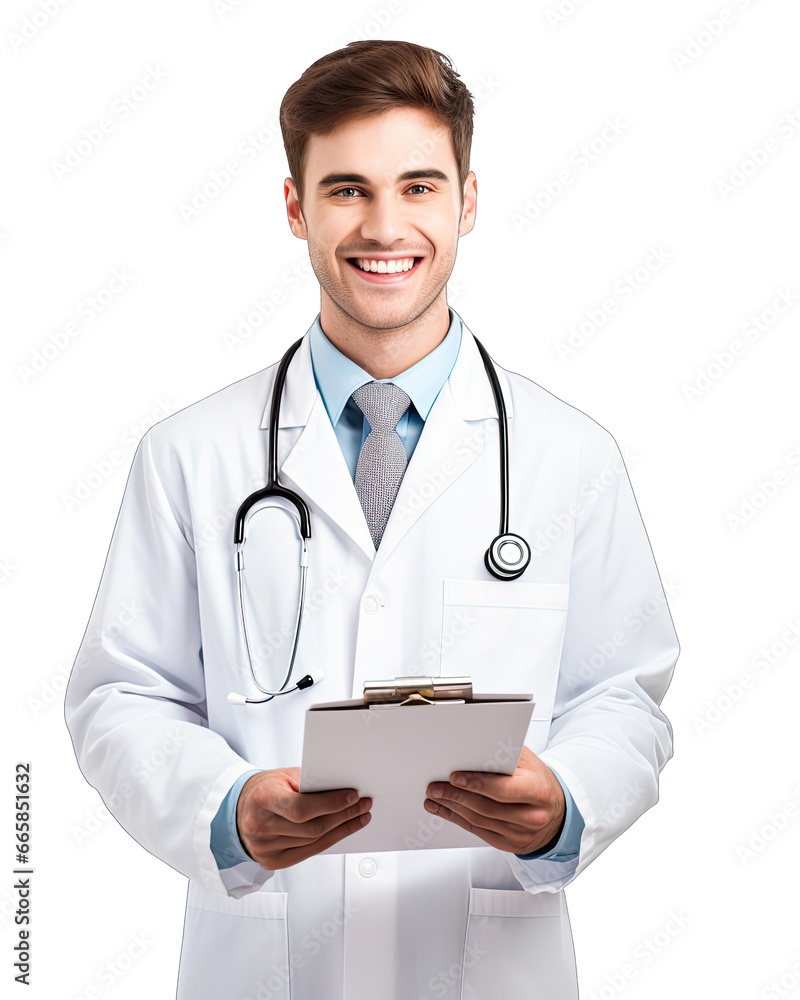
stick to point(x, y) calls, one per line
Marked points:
point(279, 825)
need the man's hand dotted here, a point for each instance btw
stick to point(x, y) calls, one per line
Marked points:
point(279, 825)
point(519, 813)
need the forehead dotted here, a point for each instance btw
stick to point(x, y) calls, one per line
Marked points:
point(383, 145)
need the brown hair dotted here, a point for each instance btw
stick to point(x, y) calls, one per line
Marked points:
point(369, 77)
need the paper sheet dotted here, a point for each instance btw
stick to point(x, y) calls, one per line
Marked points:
point(391, 754)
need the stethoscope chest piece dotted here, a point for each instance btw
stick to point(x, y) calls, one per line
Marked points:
point(508, 556)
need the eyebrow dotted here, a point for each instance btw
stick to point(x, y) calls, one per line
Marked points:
point(410, 175)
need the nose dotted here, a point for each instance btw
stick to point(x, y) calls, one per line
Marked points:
point(385, 221)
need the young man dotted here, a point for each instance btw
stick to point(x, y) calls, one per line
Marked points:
point(390, 433)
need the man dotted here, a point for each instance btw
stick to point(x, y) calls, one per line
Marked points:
point(378, 139)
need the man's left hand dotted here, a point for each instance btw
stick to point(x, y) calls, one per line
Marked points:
point(519, 813)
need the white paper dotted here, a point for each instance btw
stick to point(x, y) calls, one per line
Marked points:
point(392, 754)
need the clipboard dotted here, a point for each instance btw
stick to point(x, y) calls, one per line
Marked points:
point(403, 734)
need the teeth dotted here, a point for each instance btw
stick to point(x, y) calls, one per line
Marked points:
point(385, 266)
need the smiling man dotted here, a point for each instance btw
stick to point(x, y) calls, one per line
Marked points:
point(383, 239)
point(384, 426)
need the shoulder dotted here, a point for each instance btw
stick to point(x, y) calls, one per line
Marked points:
point(539, 411)
point(218, 424)
point(236, 405)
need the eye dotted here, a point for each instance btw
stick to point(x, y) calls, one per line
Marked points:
point(423, 186)
point(341, 190)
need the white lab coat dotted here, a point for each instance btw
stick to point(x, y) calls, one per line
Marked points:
point(586, 630)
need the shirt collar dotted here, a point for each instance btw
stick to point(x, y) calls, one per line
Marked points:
point(338, 377)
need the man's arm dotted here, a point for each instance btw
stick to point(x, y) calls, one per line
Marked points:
point(135, 702)
point(608, 738)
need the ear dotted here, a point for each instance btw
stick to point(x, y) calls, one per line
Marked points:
point(294, 213)
point(470, 206)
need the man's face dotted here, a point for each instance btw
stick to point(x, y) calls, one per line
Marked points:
point(367, 198)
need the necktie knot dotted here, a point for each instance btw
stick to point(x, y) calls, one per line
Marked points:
point(382, 403)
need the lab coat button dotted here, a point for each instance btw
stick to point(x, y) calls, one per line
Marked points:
point(371, 604)
point(367, 867)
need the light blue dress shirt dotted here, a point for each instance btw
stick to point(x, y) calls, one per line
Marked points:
point(337, 378)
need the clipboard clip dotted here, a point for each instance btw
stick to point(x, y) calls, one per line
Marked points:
point(417, 690)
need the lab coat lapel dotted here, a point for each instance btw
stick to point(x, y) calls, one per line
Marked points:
point(314, 465)
point(453, 436)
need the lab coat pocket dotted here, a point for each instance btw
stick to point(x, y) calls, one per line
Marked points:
point(507, 636)
point(518, 947)
point(249, 935)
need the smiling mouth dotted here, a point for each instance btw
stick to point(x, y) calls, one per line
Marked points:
point(396, 266)
point(384, 271)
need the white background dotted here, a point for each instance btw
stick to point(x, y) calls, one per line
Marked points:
point(693, 103)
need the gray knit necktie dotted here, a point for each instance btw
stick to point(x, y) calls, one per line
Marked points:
point(383, 459)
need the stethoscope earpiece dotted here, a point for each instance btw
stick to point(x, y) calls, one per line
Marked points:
point(508, 556)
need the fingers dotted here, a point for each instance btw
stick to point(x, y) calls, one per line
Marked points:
point(480, 804)
point(491, 837)
point(271, 828)
point(283, 855)
point(506, 819)
point(499, 787)
point(284, 799)
point(497, 833)
point(517, 810)
point(305, 806)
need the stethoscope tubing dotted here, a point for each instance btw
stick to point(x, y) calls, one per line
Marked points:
point(494, 560)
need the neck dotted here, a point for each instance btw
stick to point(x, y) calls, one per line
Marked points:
point(385, 352)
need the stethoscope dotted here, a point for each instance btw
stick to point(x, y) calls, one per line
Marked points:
point(506, 558)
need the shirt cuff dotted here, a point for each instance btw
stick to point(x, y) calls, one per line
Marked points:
point(567, 846)
point(225, 844)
